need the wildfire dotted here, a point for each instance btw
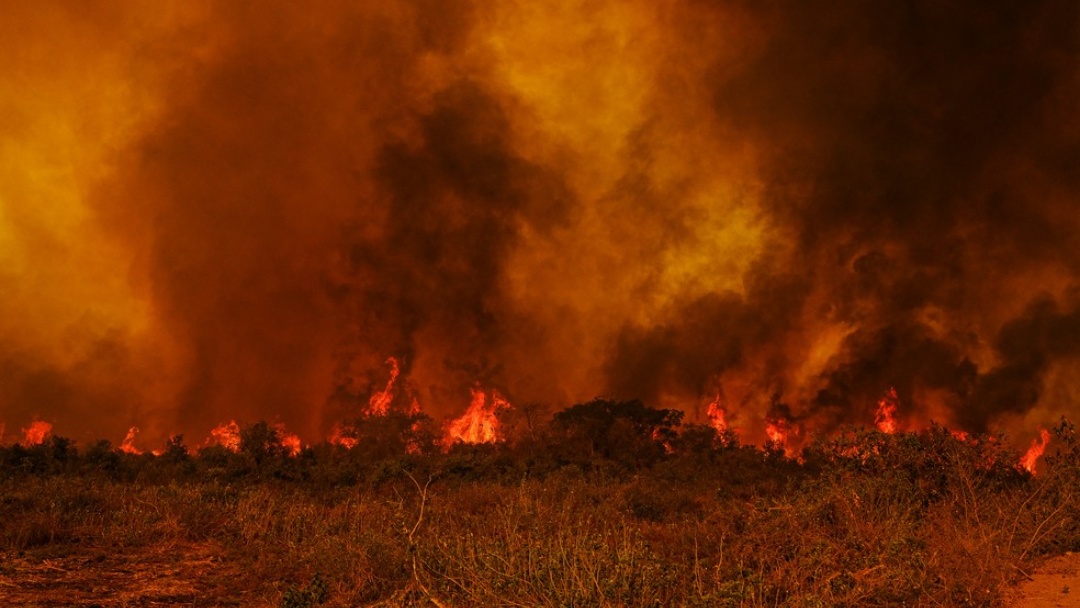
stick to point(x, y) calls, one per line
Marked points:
point(1038, 446)
point(885, 417)
point(338, 437)
point(479, 424)
point(36, 433)
point(959, 435)
point(717, 415)
point(379, 403)
point(227, 435)
point(778, 430)
point(128, 445)
point(290, 441)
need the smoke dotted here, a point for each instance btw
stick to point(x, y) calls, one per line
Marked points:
point(219, 210)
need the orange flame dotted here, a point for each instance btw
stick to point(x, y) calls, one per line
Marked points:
point(1038, 446)
point(128, 445)
point(777, 431)
point(379, 403)
point(659, 437)
point(959, 435)
point(290, 441)
point(227, 435)
point(411, 446)
point(338, 437)
point(885, 417)
point(717, 415)
point(37, 432)
point(479, 424)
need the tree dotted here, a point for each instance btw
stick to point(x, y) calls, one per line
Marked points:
point(628, 432)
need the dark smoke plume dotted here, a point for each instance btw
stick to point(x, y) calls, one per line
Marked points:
point(240, 210)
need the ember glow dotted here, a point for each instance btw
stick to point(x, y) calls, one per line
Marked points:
point(479, 423)
point(1038, 446)
point(212, 211)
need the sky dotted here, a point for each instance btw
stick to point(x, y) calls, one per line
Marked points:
point(239, 210)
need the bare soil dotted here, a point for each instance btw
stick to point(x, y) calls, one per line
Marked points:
point(199, 575)
point(191, 575)
point(1055, 584)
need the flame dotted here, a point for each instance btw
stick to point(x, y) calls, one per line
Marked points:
point(290, 441)
point(777, 431)
point(959, 435)
point(1038, 446)
point(478, 424)
point(660, 437)
point(717, 415)
point(338, 437)
point(37, 432)
point(379, 403)
point(411, 446)
point(128, 445)
point(227, 435)
point(885, 417)
point(3, 428)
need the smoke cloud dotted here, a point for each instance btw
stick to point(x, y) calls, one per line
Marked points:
point(217, 210)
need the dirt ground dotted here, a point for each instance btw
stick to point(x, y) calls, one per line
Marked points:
point(1055, 584)
point(198, 575)
point(191, 575)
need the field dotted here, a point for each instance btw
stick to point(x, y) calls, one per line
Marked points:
point(621, 518)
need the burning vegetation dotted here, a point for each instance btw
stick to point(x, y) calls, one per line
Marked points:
point(333, 235)
point(600, 484)
point(393, 424)
point(244, 228)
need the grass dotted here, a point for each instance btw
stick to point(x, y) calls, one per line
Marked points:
point(864, 520)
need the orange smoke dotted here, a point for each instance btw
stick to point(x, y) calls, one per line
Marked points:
point(211, 211)
point(479, 423)
point(1038, 446)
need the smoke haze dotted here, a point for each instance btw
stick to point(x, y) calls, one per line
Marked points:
point(216, 210)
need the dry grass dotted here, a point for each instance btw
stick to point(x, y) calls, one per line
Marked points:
point(919, 527)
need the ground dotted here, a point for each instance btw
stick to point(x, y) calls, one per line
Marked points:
point(1055, 584)
point(193, 575)
point(198, 575)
